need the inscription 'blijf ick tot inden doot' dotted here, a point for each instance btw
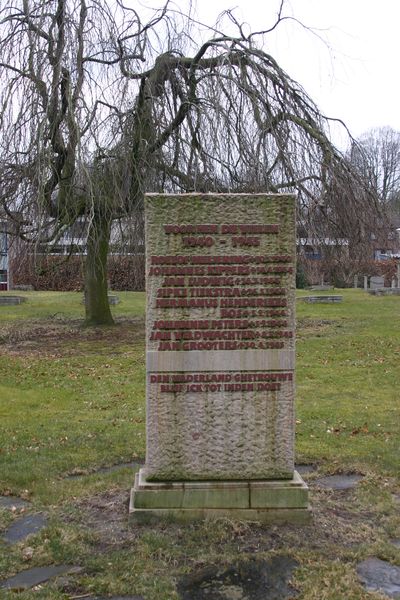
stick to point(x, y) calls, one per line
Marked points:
point(220, 336)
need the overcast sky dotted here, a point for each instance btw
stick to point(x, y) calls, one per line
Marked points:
point(354, 73)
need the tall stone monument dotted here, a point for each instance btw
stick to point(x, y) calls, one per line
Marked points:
point(220, 323)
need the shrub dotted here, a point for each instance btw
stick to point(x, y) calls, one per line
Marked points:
point(65, 274)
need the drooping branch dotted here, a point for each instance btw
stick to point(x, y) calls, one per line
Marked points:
point(100, 104)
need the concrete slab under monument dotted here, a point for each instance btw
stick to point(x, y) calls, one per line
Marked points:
point(220, 281)
point(274, 501)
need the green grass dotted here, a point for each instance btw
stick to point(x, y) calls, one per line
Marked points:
point(72, 400)
point(348, 369)
point(69, 403)
point(57, 305)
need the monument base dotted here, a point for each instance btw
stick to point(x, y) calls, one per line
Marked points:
point(276, 501)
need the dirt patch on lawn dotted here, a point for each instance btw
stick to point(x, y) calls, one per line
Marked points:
point(336, 524)
point(307, 327)
point(106, 516)
point(59, 337)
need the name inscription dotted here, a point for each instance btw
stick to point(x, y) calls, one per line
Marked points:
point(246, 290)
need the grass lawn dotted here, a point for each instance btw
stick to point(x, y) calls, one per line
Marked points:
point(72, 401)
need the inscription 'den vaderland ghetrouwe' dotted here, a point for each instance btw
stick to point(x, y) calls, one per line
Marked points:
point(220, 336)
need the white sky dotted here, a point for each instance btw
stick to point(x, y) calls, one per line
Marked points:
point(354, 75)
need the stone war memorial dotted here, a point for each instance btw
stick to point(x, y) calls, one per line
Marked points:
point(220, 326)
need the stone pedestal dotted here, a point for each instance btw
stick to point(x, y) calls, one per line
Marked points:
point(283, 501)
point(220, 283)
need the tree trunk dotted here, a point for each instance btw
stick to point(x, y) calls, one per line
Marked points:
point(96, 297)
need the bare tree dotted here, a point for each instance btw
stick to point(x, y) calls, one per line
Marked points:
point(377, 157)
point(100, 104)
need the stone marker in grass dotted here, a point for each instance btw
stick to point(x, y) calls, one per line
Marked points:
point(380, 576)
point(11, 300)
point(220, 359)
point(13, 502)
point(331, 299)
point(37, 575)
point(339, 482)
point(113, 598)
point(24, 526)
point(256, 579)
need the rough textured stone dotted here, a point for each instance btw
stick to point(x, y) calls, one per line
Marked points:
point(31, 577)
point(255, 580)
point(222, 439)
point(220, 359)
point(380, 576)
point(244, 434)
point(339, 482)
point(21, 528)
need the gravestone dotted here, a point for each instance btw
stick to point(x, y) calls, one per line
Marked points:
point(12, 300)
point(36, 576)
point(328, 299)
point(377, 282)
point(27, 525)
point(220, 359)
point(256, 579)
